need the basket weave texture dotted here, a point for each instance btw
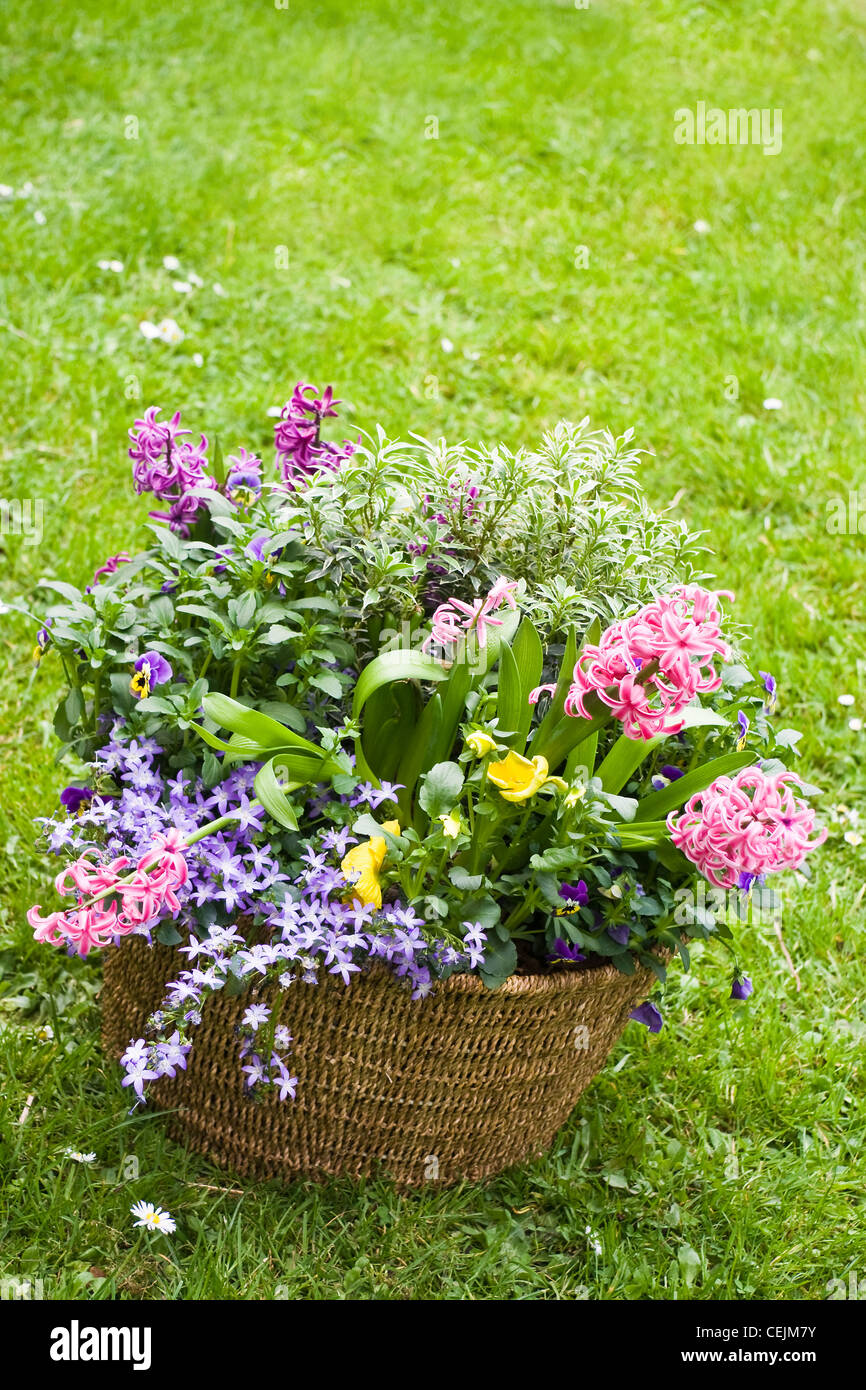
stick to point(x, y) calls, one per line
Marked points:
point(462, 1084)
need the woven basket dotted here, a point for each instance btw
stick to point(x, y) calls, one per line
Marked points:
point(459, 1085)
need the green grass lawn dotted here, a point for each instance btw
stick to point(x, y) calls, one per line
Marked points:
point(439, 285)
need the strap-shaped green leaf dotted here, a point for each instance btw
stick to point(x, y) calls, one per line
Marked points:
point(509, 706)
point(252, 724)
point(624, 758)
point(661, 803)
point(395, 666)
point(273, 797)
point(529, 655)
point(557, 703)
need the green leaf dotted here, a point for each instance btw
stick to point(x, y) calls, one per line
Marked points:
point(273, 797)
point(441, 789)
point(327, 681)
point(395, 666)
point(509, 701)
point(660, 803)
point(529, 655)
point(420, 752)
point(240, 719)
point(557, 703)
point(74, 706)
point(284, 713)
point(500, 961)
point(463, 880)
point(216, 462)
point(624, 758)
point(278, 633)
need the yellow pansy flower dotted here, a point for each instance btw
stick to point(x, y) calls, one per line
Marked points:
point(451, 826)
point(366, 860)
point(519, 778)
point(480, 742)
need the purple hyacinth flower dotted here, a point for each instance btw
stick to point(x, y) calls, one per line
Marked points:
point(73, 798)
point(574, 892)
point(742, 987)
point(563, 950)
point(649, 1015)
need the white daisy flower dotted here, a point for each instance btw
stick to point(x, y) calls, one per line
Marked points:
point(78, 1157)
point(39, 218)
point(772, 403)
point(194, 279)
point(218, 289)
point(45, 1033)
point(181, 286)
point(148, 329)
point(153, 1218)
point(855, 725)
point(115, 266)
point(447, 345)
point(171, 262)
point(702, 227)
point(853, 837)
point(6, 190)
point(170, 332)
point(197, 359)
point(846, 699)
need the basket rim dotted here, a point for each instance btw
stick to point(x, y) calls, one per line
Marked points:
point(568, 980)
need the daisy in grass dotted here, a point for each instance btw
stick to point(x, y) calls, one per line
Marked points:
point(153, 1218)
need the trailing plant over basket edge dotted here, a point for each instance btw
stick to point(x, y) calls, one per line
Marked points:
point(332, 718)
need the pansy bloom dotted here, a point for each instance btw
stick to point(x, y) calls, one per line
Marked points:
point(150, 669)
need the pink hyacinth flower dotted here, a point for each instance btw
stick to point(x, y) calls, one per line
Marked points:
point(745, 826)
point(679, 633)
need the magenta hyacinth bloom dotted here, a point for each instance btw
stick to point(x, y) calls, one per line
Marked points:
point(111, 564)
point(301, 451)
point(680, 635)
point(169, 466)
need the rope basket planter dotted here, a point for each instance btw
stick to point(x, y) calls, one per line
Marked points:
point(462, 1084)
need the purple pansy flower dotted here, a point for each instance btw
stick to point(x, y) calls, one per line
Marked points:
point(150, 669)
point(563, 950)
point(770, 687)
point(73, 798)
point(668, 774)
point(574, 893)
point(649, 1015)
